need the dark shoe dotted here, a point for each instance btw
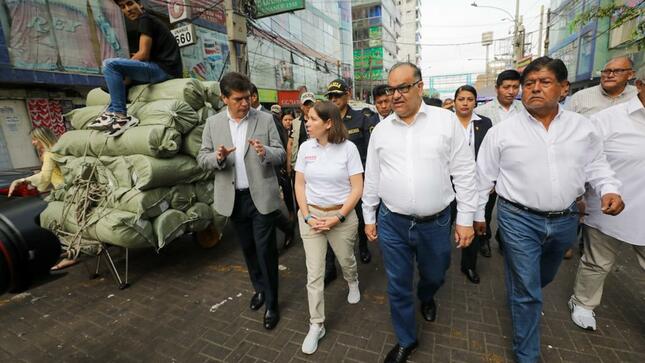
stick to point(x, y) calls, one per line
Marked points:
point(257, 301)
point(288, 240)
point(484, 250)
point(330, 276)
point(472, 275)
point(271, 319)
point(398, 354)
point(366, 255)
point(429, 310)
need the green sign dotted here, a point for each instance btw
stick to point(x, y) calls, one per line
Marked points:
point(268, 95)
point(264, 8)
point(372, 75)
point(368, 58)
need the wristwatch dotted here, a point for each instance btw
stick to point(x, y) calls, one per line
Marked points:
point(340, 217)
point(307, 218)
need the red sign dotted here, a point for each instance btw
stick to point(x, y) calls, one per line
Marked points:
point(289, 98)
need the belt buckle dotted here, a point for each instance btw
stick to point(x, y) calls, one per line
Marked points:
point(555, 214)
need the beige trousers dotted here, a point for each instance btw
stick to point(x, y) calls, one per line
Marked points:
point(342, 239)
point(598, 260)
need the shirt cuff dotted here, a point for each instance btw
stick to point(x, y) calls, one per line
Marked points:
point(464, 219)
point(480, 216)
point(369, 215)
point(609, 188)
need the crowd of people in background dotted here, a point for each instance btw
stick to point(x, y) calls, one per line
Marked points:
point(416, 172)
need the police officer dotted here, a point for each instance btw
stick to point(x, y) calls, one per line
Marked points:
point(359, 125)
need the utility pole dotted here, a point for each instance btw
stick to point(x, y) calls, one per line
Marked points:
point(540, 46)
point(546, 38)
point(236, 32)
point(516, 40)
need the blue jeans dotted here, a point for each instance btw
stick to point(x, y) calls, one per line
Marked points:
point(533, 250)
point(115, 71)
point(402, 240)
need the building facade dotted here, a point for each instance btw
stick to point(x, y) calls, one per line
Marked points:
point(376, 26)
point(410, 39)
point(586, 50)
point(51, 54)
point(304, 49)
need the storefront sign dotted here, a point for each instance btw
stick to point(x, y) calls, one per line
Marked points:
point(266, 8)
point(185, 35)
point(178, 10)
point(289, 98)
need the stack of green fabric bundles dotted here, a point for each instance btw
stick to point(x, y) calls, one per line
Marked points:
point(146, 188)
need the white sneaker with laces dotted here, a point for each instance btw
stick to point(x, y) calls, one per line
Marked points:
point(354, 295)
point(584, 318)
point(310, 344)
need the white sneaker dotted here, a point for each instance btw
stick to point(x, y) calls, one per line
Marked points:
point(354, 295)
point(310, 344)
point(584, 318)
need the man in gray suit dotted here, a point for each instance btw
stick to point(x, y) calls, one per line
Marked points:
point(243, 147)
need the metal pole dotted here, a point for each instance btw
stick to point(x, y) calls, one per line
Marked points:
point(516, 40)
point(540, 46)
point(487, 64)
point(546, 38)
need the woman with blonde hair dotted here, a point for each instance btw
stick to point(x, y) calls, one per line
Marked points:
point(43, 139)
point(329, 184)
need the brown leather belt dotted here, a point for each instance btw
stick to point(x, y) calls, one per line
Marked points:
point(327, 209)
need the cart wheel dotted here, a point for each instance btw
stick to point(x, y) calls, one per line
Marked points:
point(209, 237)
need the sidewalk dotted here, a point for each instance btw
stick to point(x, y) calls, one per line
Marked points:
point(191, 305)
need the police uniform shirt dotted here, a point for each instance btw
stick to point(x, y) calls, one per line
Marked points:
point(359, 128)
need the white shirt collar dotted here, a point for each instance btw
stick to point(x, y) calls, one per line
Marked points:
point(423, 110)
point(634, 105)
point(513, 106)
point(230, 118)
point(605, 94)
point(530, 117)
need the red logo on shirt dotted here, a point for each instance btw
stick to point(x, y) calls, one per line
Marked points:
point(310, 157)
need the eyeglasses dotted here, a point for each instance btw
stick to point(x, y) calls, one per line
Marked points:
point(616, 71)
point(402, 89)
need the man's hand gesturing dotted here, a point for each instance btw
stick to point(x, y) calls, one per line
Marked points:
point(222, 152)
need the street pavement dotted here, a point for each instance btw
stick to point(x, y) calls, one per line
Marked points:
point(187, 304)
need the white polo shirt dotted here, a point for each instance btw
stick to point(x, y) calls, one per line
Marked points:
point(327, 170)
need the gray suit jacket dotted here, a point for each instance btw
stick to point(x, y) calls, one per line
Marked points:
point(263, 183)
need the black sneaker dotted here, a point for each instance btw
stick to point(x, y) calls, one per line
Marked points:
point(121, 124)
point(103, 122)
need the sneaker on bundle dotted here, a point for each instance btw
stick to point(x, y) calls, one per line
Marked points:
point(103, 122)
point(121, 124)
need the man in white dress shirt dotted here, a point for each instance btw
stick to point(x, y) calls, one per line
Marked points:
point(622, 128)
point(411, 157)
point(540, 159)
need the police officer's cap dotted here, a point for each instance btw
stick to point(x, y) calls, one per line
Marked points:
point(338, 87)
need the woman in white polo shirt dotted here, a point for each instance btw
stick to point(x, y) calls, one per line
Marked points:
point(329, 183)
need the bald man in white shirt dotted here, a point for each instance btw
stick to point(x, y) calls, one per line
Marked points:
point(622, 128)
point(538, 161)
point(411, 158)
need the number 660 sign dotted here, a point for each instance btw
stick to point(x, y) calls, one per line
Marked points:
point(184, 35)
